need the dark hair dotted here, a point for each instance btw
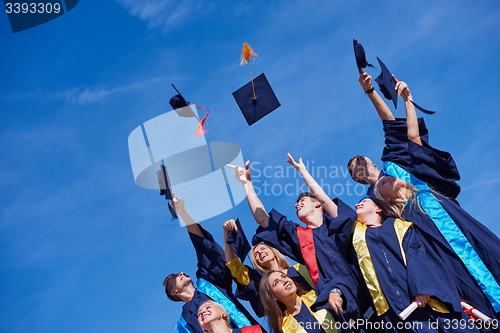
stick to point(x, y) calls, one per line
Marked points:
point(169, 284)
point(349, 167)
point(351, 172)
point(272, 308)
point(307, 194)
point(387, 210)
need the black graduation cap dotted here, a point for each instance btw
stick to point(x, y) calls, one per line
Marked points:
point(359, 53)
point(165, 188)
point(388, 88)
point(239, 242)
point(265, 100)
point(178, 100)
point(386, 84)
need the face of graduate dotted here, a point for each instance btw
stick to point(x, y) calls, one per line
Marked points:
point(391, 188)
point(361, 166)
point(366, 208)
point(306, 207)
point(208, 313)
point(181, 282)
point(282, 286)
point(263, 255)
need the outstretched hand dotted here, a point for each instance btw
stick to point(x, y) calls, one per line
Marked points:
point(178, 203)
point(365, 80)
point(230, 225)
point(241, 174)
point(298, 166)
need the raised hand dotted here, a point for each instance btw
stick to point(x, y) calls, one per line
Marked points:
point(402, 89)
point(241, 174)
point(365, 80)
point(298, 166)
point(178, 203)
point(230, 225)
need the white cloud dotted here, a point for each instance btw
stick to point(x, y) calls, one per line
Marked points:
point(82, 95)
point(89, 95)
point(166, 13)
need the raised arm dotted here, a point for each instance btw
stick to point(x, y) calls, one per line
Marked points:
point(228, 251)
point(328, 205)
point(411, 114)
point(365, 80)
point(191, 225)
point(256, 206)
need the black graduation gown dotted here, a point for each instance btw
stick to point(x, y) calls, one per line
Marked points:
point(250, 292)
point(212, 268)
point(282, 235)
point(438, 169)
point(423, 272)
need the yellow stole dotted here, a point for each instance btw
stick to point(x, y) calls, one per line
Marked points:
point(239, 271)
point(368, 269)
point(302, 269)
point(323, 317)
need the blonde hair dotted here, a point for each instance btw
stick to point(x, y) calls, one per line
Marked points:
point(220, 307)
point(398, 207)
point(280, 259)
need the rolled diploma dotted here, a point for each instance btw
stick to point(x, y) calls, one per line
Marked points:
point(408, 311)
point(475, 312)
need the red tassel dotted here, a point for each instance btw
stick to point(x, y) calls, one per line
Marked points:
point(201, 130)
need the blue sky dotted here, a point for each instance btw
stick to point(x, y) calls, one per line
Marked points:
point(83, 249)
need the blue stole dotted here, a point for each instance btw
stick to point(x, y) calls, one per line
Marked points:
point(451, 232)
point(182, 326)
point(211, 291)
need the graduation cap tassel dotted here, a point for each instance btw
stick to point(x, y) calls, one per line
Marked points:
point(251, 80)
point(421, 108)
point(246, 53)
point(201, 129)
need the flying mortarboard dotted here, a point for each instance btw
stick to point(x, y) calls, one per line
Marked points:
point(386, 84)
point(255, 99)
point(264, 103)
point(165, 188)
point(183, 109)
point(177, 101)
point(388, 87)
point(359, 53)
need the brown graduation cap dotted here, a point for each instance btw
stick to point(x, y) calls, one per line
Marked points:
point(265, 100)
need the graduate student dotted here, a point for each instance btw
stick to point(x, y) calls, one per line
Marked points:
point(214, 280)
point(425, 194)
point(288, 309)
point(213, 318)
point(399, 267)
point(406, 160)
point(309, 245)
point(361, 168)
point(263, 258)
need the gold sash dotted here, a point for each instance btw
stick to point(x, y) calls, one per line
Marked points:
point(239, 271)
point(302, 269)
point(368, 269)
point(323, 317)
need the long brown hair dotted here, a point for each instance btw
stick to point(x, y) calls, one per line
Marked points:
point(280, 259)
point(273, 309)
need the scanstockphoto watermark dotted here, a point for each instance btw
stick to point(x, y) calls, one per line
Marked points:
point(24, 15)
point(365, 324)
point(280, 180)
